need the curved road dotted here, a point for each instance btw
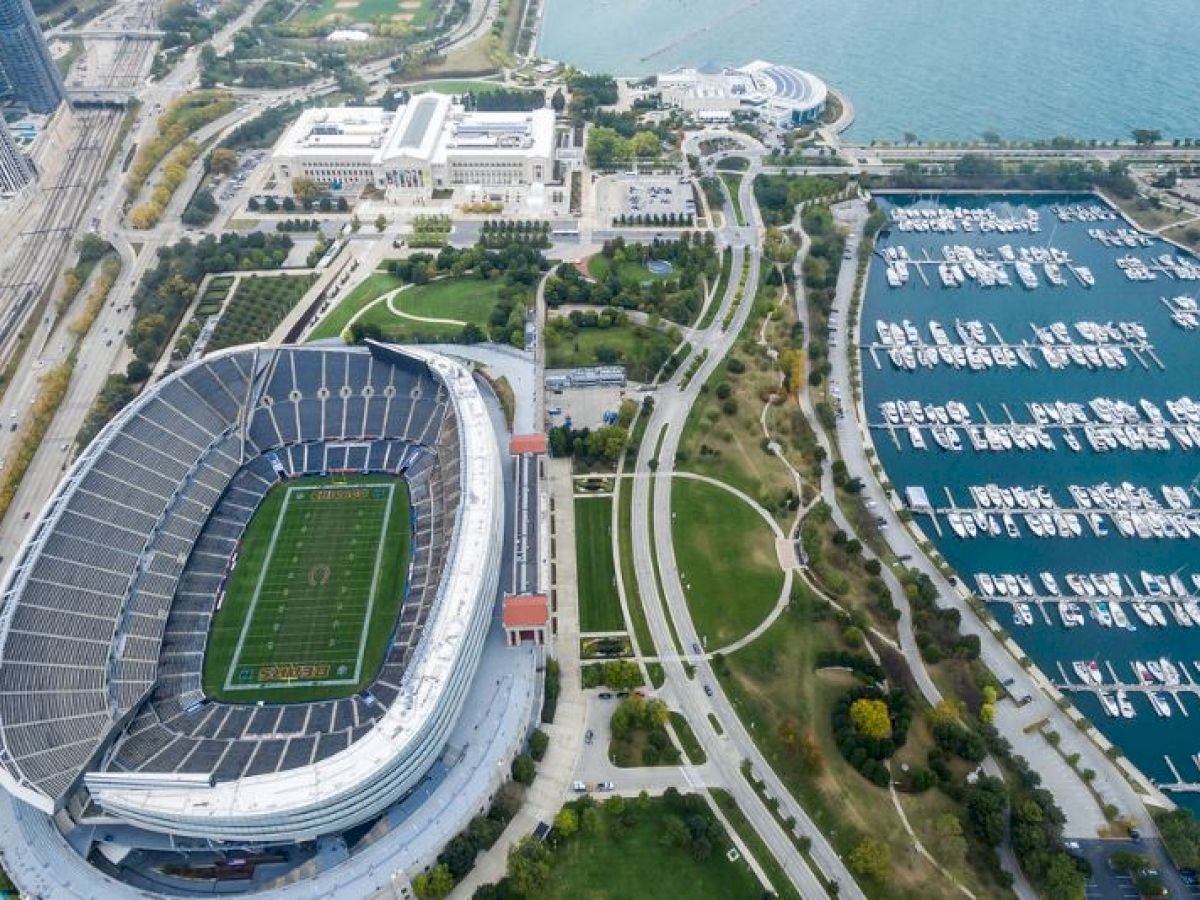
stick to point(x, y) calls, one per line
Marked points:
point(653, 495)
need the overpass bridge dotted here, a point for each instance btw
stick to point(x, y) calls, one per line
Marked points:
point(100, 96)
point(114, 33)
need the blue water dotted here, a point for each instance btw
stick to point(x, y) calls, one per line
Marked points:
point(942, 69)
point(1147, 737)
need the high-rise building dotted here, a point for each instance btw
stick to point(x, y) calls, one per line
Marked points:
point(25, 58)
point(16, 171)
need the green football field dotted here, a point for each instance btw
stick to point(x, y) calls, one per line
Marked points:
point(311, 603)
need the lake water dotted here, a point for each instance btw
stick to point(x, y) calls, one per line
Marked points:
point(942, 69)
point(1012, 310)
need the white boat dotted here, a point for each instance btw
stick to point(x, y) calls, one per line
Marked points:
point(1161, 704)
point(1124, 705)
point(1170, 672)
point(1109, 703)
point(1049, 583)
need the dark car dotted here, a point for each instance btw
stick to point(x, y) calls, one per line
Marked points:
point(708, 689)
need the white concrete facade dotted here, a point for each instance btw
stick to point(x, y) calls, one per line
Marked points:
point(782, 95)
point(430, 143)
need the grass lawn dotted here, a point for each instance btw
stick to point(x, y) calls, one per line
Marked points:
point(733, 182)
point(633, 597)
point(599, 604)
point(691, 746)
point(376, 284)
point(641, 349)
point(725, 442)
point(784, 888)
point(636, 863)
point(416, 12)
point(773, 681)
point(727, 562)
point(719, 291)
point(632, 273)
point(309, 609)
point(460, 300)
point(455, 86)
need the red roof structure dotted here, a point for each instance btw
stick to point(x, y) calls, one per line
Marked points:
point(527, 443)
point(526, 611)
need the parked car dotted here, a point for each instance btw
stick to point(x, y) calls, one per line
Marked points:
point(708, 689)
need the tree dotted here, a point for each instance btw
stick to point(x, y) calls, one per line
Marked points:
point(870, 859)
point(622, 674)
point(870, 718)
point(528, 867)
point(1144, 137)
point(306, 188)
point(910, 137)
point(524, 770)
point(380, 222)
point(223, 161)
point(558, 102)
point(566, 823)
point(434, 884)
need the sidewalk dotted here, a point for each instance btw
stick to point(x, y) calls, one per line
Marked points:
point(554, 773)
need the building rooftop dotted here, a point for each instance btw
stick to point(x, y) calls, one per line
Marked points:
point(526, 611)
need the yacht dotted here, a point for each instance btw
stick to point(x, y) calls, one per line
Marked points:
point(1110, 704)
point(1161, 704)
point(1124, 705)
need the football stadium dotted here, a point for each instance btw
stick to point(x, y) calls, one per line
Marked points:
point(251, 616)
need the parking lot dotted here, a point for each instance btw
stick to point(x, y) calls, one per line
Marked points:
point(644, 196)
point(1105, 884)
point(584, 407)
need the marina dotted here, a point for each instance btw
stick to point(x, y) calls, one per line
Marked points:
point(1060, 479)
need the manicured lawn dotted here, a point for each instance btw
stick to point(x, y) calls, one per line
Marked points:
point(454, 86)
point(599, 604)
point(460, 300)
point(691, 746)
point(727, 562)
point(415, 12)
point(641, 349)
point(733, 182)
point(339, 317)
point(775, 874)
point(629, 272)
point(633, 597)
point(637, 864)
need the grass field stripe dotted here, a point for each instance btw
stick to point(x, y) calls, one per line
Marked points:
point(362, 639)
point(262, 576)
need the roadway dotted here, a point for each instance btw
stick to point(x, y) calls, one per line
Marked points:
point(652, 496)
